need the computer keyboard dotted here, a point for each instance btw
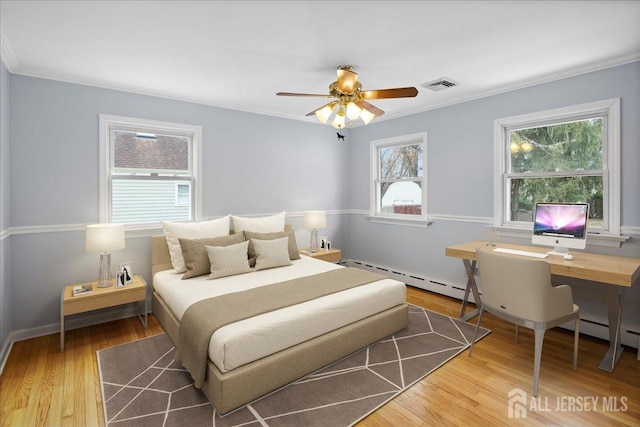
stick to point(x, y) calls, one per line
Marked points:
point(517, 252)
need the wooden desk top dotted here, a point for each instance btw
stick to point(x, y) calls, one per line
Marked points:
point(613, 270)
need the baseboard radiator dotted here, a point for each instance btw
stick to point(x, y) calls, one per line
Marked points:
point(593, 327)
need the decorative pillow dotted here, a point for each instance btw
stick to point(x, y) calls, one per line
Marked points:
point(191, 230)
point(195, 254)
point(228, 260)
point(271, 253)
point(292, 246)
point(265, 224)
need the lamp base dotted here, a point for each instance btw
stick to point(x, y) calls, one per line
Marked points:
point(313, 243)
point(104, 274)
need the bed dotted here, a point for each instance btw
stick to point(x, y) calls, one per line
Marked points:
point(255, 356)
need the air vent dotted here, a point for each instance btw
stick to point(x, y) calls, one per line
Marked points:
point(439, 84)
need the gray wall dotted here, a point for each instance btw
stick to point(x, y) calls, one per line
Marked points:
point(460, 177)
point(5, 219)
point(252, 164)
point(255, 164)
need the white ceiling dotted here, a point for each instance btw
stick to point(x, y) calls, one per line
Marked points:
point(239, 54)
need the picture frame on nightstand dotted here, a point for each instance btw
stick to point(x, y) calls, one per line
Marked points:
point(125, 268)
point(323, 242)
point(120, 279)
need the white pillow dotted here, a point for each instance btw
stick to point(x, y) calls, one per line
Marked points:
point(228, 260)
point(271, 253)
point(191, 230)
point(265, 224)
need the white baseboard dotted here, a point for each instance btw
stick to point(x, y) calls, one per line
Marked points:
point(588, 325)
point(54, 328)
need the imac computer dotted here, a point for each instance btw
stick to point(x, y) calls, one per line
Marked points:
point(561, 225)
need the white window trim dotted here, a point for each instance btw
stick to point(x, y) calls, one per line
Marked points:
point(409, 220)
point(611, 158)
point(107, 122)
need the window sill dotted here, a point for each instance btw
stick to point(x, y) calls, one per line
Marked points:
point(422, 223)
point(592, 239)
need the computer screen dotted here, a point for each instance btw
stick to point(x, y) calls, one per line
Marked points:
point(561, 225)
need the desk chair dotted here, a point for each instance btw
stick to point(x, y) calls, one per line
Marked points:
point(520, 291)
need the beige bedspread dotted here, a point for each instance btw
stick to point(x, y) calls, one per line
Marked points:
point(203, 318)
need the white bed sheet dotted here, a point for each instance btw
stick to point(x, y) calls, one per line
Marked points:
point(245, 341)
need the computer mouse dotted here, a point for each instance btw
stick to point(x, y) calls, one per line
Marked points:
point(568, 257)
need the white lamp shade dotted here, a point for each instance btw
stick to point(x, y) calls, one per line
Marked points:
point(102, 238)
point(324, 113)
point(353, 111)
point(315, 219)
point(366, 116)
point(338, 121)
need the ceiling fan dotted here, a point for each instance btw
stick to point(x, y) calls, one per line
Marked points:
point(351, 99)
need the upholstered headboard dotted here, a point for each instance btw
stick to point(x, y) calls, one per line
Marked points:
point(160, 258)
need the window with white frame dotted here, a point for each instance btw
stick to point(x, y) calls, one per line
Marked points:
point(564, 155)
point(398, 184)
point(148, 170)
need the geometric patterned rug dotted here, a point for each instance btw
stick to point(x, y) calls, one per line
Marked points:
point(143, 386)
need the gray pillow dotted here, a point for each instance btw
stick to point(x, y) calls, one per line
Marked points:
point(228, 260)
point(195, 254)
point(271, 253)
point(292, 245)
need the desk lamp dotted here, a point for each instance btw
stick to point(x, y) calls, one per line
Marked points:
point(104, 239)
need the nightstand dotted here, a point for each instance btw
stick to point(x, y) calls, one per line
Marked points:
point(98, 298)
point(333, 255)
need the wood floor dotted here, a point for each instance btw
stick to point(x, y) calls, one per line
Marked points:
point(42, 387)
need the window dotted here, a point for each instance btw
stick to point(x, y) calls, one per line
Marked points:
point(147, 171)
point(565, 155)
point(398, 184)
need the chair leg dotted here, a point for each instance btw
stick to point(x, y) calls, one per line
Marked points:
point(517, 334)
point(575, 344)
point(539, 338)
point(475, 333)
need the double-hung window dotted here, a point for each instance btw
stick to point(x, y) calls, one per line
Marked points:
point(398, 184)
point(148, 171)
point(564, 155)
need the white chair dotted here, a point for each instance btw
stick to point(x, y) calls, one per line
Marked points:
point(520, 291)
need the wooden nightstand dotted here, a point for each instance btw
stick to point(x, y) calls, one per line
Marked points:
point(98, 298)
point(333, 255)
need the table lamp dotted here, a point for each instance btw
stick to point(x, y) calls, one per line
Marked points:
point(104, 239)
point(314, 220)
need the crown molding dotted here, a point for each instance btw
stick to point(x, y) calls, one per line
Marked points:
point(12, 65)
point(523, 84)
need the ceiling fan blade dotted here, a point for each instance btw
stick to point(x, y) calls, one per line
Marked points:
point(370, 108)
point(347, 79)
point(400, 92)
point(302, 94)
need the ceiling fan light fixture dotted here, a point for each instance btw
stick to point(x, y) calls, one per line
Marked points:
point(353, 111)
point(366, 116)
point(324, 113)
point(339, 120)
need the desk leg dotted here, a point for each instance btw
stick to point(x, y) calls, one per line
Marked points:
point(615, 299)
point(470, 267)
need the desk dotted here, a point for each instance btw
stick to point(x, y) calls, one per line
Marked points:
point(618, 272)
